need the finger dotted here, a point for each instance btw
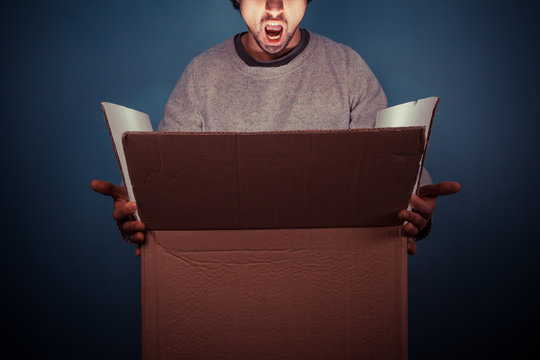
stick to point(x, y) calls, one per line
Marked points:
point(411, 246)
point(424, 206)
point(137, 238)
point(417, 220)
point(410, 230)
point(443, 188)
point(123, 212)
point(106, 188)
point(131, 227)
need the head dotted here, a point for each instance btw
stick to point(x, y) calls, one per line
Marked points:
point(235, 3)
point(273, 25)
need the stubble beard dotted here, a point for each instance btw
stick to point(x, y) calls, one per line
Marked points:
point(268, 49)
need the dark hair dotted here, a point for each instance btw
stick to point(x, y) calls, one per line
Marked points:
point(236, 4)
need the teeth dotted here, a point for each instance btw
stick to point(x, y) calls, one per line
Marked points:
point(273, 37)
point(274, 26)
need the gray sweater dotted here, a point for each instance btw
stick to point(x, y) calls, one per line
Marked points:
point(327, 86)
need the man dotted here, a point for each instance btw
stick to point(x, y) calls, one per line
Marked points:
point(276, 76)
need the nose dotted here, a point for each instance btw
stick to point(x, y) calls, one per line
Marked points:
point(274, 7)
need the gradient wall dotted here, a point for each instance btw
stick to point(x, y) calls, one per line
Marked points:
point(71, 286)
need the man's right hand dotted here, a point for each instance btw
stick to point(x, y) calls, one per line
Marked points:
point(123, 210)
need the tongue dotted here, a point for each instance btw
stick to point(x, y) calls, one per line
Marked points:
point(273, 30)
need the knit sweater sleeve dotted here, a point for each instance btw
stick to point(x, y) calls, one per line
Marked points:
point(366, 94)
point(367, 98)
point(181, 112)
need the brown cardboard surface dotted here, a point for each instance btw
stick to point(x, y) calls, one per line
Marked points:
point(275, 180)
point(275, 294)
point(297, 252)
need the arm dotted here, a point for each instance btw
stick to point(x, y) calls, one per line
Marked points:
point(366, 94)
point(181, 112)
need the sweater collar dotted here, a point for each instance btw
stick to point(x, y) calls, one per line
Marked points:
point(284, 60)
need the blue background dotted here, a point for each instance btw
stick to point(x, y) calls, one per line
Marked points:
point(71, 286)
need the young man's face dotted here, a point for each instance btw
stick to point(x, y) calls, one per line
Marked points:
point(273, 26)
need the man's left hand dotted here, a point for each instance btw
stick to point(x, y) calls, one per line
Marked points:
point(423, 206)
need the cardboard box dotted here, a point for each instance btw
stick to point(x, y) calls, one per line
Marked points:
point(280, 245)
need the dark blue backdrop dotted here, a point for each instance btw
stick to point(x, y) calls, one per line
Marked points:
point(71, 286)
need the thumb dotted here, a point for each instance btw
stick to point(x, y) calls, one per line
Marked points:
point(108, 189)
point(443, 188)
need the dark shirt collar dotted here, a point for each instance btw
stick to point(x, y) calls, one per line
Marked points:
point(285, 59)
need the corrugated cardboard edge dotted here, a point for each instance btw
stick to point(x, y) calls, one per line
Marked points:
point(428, 135)
point(116, 154)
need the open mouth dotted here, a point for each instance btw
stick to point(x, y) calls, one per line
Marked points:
point(273, 32)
